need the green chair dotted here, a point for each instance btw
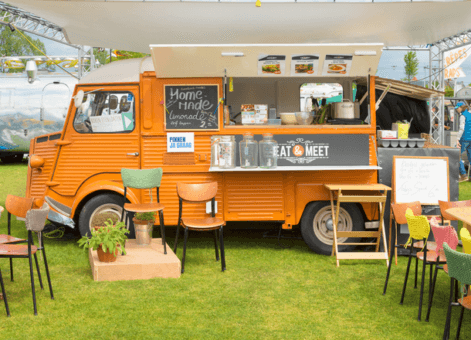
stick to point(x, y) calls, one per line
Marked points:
point(459, 268)
point(143, 179)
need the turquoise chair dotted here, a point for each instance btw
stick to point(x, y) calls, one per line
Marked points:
point(143, 179)
point(459, 269)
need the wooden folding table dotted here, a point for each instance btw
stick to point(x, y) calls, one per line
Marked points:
point(359, 193)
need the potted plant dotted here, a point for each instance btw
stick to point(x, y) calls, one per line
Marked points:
point(143, 223)
point(108, 241)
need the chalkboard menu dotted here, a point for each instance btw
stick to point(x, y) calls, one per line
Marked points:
point(192, 107)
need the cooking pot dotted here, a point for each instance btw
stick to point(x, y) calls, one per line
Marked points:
point(345, 110)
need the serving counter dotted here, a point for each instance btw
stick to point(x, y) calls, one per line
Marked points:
point(297, 168)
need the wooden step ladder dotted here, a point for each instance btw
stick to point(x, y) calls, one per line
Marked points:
point(358, 193)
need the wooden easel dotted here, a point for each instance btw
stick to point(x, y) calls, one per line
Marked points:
point(359, 193)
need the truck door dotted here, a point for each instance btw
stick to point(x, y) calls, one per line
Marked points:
point(100, 138)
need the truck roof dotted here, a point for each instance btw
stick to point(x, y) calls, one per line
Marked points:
point(121, 71)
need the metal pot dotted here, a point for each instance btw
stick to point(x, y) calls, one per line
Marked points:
point(345, 110)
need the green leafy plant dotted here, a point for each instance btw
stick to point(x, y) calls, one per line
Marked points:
point(145, 216)
point(110, 237)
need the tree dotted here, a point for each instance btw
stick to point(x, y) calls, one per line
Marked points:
point(14, 44)
point(103, 56)
point(412, 65)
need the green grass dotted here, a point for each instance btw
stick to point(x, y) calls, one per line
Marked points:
point(266, 293)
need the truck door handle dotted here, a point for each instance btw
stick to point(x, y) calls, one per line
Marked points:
point(133, 154)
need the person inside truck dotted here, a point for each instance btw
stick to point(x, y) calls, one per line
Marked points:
point(463, 140)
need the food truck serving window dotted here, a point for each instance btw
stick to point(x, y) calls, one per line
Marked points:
point(106, 112)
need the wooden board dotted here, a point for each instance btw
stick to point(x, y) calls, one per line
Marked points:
point(423, 179)
point(191, 107)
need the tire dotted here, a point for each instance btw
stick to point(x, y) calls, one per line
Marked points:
point(99, 204)
point(14, 158)
point(314, 230)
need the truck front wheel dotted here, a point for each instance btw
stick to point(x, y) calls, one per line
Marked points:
point(105, 203)
point(317, 227)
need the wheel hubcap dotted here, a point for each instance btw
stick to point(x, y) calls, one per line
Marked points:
point(106, 208)
point(324, 228)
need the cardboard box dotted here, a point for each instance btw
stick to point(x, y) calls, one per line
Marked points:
point(402, 130)
point(387, 134)
point(140, 262)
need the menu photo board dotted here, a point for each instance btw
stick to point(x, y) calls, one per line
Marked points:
point(271, 65)
point(192, 107)
point(304, 65)
point(337, 64)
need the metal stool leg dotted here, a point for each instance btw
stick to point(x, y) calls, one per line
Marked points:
point(184, 249)
point(407, 275)
point(459, 323)
point(432, 291)
point(162, 231)
point(32, 284)
point(389, 271)
point(416, 270)
point(424, 267)
point(216, 244)
point(4, 294)
point(176, 240)
point(11, 270)
point(446, 333)
point(47, 271)
point(223, 256)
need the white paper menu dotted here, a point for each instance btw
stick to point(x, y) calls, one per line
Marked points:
point(304, 65)
point(271, 65)
point(337, 64)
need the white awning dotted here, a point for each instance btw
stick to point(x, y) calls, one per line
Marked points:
point(134, 25)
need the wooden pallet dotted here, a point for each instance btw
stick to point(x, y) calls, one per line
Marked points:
point(342, 193)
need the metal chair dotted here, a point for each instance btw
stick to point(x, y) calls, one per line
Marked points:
point(34, 221)
point(466, 239)
point(144, 179)
point(398, 211)
point(419, 229)
point(459, 269)
point(200, 193)
point(441, 235)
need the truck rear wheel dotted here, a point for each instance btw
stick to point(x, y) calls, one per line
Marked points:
point(105, 203)
point(317, 227)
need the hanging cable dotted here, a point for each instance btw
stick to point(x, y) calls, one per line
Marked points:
point(13, 28)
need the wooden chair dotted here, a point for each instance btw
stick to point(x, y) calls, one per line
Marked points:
point(144, 179)
point(459, 269)
point(200, 193)
point(398, 211)
point(419, 229)
point(34, 221)
point(4, 294)
point(445, 205)
point(441, 235)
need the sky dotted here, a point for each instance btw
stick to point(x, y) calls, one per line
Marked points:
point(391, 64)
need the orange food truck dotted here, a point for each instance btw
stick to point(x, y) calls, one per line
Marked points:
point(162, 111)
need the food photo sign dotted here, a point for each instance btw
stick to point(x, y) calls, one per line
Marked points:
point(337, 64)
point(304, 65)
point(271, 65)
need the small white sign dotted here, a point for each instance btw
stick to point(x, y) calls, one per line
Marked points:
point(304, 65)
point(271, 65)
point(113, 123)
point(180, 142)
point(337, 64)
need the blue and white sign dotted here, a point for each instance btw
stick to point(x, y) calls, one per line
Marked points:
point(180, 142)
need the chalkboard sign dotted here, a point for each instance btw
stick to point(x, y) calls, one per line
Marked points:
point(423, 179)
point(192, 107)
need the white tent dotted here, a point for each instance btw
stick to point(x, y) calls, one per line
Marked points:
point(134, 25)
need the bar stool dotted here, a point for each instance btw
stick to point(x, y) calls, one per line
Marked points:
point(144, 179)
point(200, 193)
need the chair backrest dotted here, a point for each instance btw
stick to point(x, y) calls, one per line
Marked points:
point(445, 205)
point(18, 206)
point(459, 264)
point(466, 239)
point(201, 192)
point(141, 179)
point(419, 227)
point(36, 218)
point(399, 211)
point(443, 234)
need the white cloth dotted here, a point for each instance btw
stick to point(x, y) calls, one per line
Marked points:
point(462, 124)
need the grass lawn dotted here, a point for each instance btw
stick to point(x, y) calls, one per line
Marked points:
point(266, 293)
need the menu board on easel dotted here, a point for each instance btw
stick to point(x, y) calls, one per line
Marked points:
point(191, 107)
point(423, 179)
